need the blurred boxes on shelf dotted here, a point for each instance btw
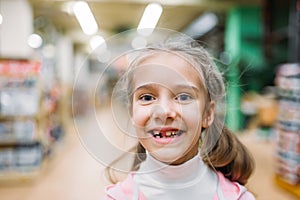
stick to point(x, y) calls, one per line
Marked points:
point(288, 126)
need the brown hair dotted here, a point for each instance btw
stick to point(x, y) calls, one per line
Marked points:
point(220, 148)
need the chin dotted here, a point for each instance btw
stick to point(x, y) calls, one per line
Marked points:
point(167, 156)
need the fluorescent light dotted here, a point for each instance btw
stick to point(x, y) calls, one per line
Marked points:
point(35, 41)
point(96, 41)
point(150, 18)
point(201, 25)
point(85, 17)
point(1, 19)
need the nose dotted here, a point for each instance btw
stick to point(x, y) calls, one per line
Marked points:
point(164, 110)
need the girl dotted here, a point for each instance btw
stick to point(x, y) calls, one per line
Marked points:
point(184, 151)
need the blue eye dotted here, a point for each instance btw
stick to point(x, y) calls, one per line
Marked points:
point(146, 98)
point(183, 97)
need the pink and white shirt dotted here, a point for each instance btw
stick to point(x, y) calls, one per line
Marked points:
point(190, 180)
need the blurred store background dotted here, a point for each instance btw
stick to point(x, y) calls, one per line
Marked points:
point(51, 58)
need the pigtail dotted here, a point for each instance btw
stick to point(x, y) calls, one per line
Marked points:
point(140, 156)
point(227, 155)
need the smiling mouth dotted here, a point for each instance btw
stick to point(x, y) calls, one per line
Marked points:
point(165, 134)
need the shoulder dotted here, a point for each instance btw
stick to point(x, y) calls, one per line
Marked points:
point(234, 190)
point(121, 190)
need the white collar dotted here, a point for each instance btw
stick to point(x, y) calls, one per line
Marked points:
point(188, 172)
point(173, 182)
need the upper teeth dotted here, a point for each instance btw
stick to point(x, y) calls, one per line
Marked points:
point(156, 132)
point(168, 133)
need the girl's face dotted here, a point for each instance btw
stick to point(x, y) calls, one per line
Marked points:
point(169, 107)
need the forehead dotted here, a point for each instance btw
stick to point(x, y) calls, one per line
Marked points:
point(166, 68)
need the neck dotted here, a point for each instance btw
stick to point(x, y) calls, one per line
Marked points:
point(188, 156)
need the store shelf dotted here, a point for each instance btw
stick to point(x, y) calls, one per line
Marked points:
point(287, 128)
point(294, 189)
point(30, 121)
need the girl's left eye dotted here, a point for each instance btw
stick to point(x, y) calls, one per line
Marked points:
point(183, 97)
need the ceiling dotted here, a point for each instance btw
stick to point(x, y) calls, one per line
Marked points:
point(113, 16)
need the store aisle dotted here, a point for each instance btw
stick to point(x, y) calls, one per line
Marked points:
point(73, 174)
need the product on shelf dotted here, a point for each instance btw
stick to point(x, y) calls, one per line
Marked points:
point(288, 127)
point(17, 131)
point(20, 158)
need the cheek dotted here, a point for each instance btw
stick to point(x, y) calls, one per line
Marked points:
point(140, 116)
point(192, 116)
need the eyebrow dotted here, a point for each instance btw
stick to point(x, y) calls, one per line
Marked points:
point(187, 87)
point(149, 86)
point(153, 86)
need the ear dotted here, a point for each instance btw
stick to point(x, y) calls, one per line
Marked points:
point(208, 115)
